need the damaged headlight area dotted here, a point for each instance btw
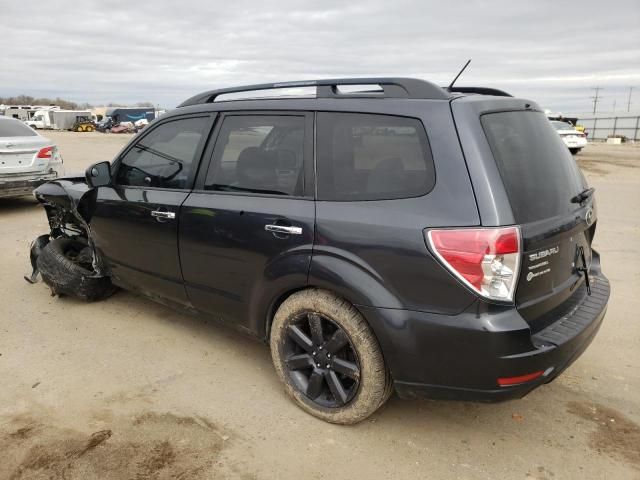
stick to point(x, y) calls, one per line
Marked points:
point(66, 257)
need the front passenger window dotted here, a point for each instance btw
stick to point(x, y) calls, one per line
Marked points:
point(164, 158)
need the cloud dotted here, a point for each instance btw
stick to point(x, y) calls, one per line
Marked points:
point(165, 51)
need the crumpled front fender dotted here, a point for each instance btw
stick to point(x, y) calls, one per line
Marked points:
point(69, 201)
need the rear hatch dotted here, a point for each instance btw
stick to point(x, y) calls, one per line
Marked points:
point(544, 185)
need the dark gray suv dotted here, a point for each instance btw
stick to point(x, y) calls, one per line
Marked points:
point(391, 236)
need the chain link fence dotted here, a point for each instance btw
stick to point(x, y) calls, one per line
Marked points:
point(603, 127)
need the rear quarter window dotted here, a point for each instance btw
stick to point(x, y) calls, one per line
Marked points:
point(372, 157)
point(539, 174)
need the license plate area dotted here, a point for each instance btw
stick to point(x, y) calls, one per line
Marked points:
point(15, 159)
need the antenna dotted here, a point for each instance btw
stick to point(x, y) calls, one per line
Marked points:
point(459, 73)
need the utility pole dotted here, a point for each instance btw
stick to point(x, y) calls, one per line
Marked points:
point(596, 98)
point(629, 101)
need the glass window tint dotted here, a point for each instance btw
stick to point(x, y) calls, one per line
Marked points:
point(15, 128)
point(372, 157)
point(164, 158)
point(538, 172)
point(258, 154)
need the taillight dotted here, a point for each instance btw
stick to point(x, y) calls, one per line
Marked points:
point(485, 259)
point(46, 152)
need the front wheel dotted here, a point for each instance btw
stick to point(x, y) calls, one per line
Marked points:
point(328, 358)
point(574, 151)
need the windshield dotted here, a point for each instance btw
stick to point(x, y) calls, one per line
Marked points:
point(15, 128)
point(562, 126)
point(538, 172)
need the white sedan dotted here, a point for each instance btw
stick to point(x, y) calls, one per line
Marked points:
point(27, 160)
point(574, 139)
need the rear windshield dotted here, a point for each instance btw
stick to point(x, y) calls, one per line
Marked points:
point(15, 128)
point(538, 172)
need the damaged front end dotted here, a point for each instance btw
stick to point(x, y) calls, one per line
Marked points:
point(66, 257)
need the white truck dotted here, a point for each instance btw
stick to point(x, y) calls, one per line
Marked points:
point(56, 119)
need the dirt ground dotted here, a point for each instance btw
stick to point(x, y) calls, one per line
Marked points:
point(127, 389)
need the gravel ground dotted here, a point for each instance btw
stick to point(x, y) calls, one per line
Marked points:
point(126, 388)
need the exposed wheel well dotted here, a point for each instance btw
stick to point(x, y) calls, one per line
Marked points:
point(274, 308)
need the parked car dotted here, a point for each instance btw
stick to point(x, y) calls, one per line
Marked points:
point(574, 139)
point(27, 160)
point(435, 242)
point(105, 125)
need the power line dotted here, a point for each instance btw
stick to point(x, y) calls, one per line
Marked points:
point(596, 98)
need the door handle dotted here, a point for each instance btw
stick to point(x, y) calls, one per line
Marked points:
point(163, 215)
point(283, 229)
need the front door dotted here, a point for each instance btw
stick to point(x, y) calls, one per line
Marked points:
point(246, 232)
point(135, 224)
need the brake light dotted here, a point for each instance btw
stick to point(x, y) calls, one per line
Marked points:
point(485, 259)
point(46, 152)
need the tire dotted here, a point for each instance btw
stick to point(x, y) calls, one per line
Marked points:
point(89, 129)
point(574, 151)
point(65, 266)
point(363, 392)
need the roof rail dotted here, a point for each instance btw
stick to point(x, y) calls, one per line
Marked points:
point(480, 91)
point(391, 88)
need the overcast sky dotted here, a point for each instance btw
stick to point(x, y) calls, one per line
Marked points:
point(164, 51)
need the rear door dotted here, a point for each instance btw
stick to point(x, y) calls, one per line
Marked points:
point(135, 224)
point(246, 232)
point(543, 184)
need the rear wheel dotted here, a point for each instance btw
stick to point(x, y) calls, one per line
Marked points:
point(328, 358)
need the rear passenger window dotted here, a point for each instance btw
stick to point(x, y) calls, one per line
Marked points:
point(372, 157)
point(258, 154)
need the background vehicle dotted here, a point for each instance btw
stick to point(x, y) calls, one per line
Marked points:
point(57, 119)
point(130, 114)
point(574, 139)
point(105, 125)
point(26, 159)
point(84, 124)
point(410, 237)
point(25, 112)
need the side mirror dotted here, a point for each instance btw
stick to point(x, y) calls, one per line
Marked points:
point(98, 174)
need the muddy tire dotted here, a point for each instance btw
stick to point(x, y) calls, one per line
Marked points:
point(65, 266)
point(328, 358)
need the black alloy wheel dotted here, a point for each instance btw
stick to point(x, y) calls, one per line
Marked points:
point(321, 360)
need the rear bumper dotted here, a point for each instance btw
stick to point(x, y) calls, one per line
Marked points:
point(24, 184)
point(575, 143)
point(461, 357)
